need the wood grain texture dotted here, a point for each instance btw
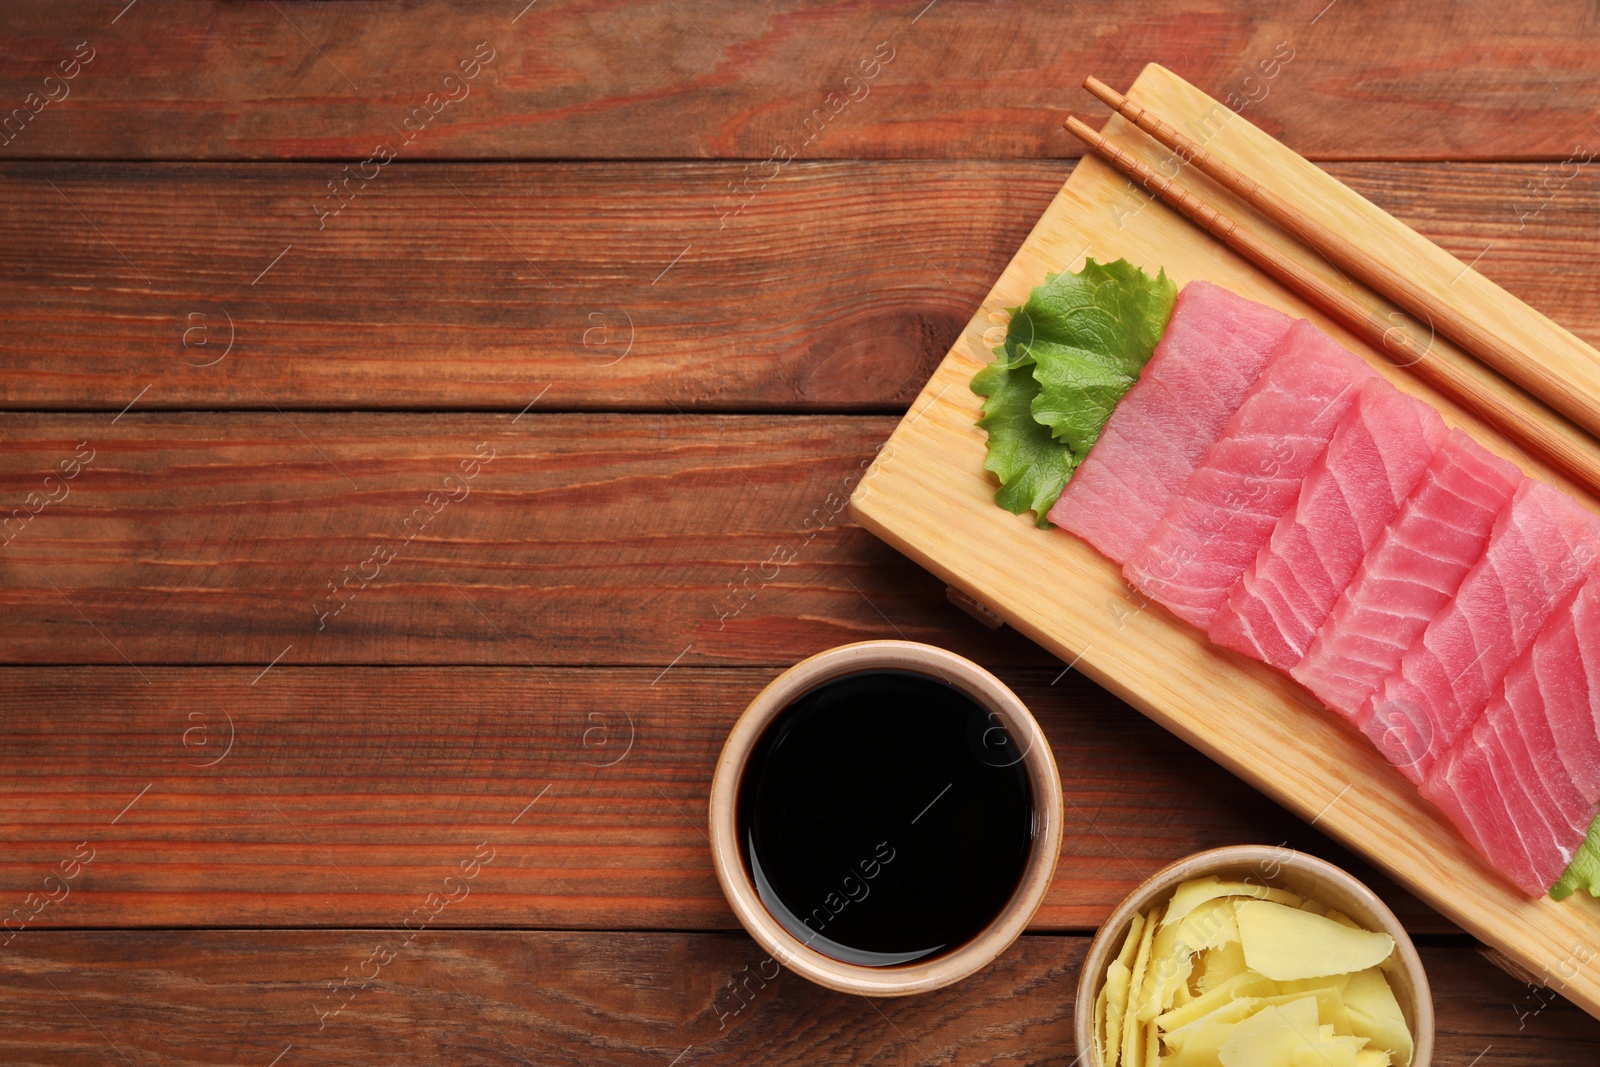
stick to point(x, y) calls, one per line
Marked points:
point(928, 495)
point(332, 797)
point(687, 556)
point(612, 286)
point(328, 538)
point(599, 79)
point(838, 288)
point(481, 997)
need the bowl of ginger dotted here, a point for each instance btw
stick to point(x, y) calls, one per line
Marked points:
point(1253, 956)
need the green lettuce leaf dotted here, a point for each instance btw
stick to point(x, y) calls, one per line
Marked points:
point(1584, 870)
point(1033, 466)
point(1078, 389)
point(1070, 354)
point(1092, 333)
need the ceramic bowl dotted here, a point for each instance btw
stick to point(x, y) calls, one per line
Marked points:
point(1272, 865)
point(1038, 763)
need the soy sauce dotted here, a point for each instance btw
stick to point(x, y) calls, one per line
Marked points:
point(885, 817)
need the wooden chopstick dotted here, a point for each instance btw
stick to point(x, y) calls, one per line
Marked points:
point(1573, 390)
point(1515, 414)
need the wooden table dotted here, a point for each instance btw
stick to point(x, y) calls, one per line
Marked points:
point(427, 426)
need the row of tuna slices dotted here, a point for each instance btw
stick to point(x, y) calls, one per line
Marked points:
point(1266, 486)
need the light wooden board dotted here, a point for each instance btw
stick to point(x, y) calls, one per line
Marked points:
point(928, 495)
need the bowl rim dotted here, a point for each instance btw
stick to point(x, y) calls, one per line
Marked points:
point(1107, 939)
point(1038, 762)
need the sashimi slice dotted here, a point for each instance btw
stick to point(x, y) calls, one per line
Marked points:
point(1374, 459)
point(1557, 808)
point(1577, 728)
point(1551, 700)
point(1560, 810)
point(1538, 838)
point(1541, 548)
point(1469, 793)
point(1506, 782)
point(1251, 476)
point(1486, 791)
point(1546, 725)
point(1409, 577)
point(1214, 349)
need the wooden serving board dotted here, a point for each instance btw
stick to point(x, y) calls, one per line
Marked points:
point(928, 495)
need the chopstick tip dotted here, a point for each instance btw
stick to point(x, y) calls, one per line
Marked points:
point(1079, 127)
point(1104, 93)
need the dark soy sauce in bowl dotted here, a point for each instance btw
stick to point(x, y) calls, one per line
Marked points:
point(885, 817)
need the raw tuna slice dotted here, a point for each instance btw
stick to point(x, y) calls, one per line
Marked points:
point(1214, 349)
point(1563, 673)
point(1479, 790)
point(1545, 729)
point(1410, 575)
point(1543, 545)
point(1375, 458)
point(1251, 476)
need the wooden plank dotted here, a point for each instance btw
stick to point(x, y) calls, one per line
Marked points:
point(327, 538)
point(486, 285)
point(482, 997)
point(928, 494)
point(215, 80)
point(417, 295)
point(320, 797)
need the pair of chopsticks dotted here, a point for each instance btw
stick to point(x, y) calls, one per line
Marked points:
point(1480, 386)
